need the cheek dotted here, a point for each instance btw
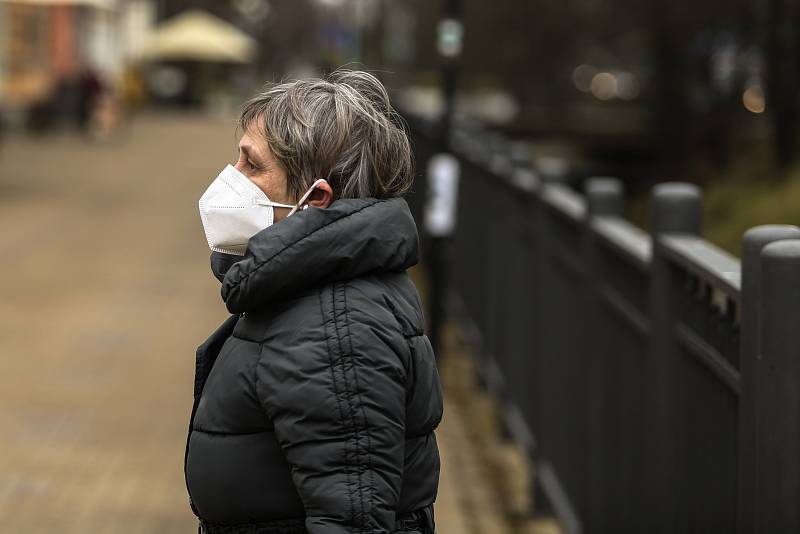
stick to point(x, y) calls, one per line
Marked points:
point(279, 186)
point(273, 184)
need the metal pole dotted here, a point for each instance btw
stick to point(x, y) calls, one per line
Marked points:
point(778, 387)
point(604, 197)
point(450, 44)
point(450, 35)
point(675, 208)
point(753, 243)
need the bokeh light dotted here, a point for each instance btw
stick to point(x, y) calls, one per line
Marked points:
point(628, 87)
point(604, 86)
point(582, 77)
point(754, 100)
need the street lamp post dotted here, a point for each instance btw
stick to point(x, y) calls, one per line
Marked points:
point(443, 174)
point(450, 38)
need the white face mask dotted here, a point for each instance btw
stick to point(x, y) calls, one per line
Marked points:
point(233, 209)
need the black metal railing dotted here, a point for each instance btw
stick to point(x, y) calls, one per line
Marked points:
point(653, 378)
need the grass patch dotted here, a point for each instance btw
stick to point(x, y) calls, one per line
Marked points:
point(753, 193)
point(732, 208)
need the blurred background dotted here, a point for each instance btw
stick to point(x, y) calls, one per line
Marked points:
point(116, 114)
point(640, 91)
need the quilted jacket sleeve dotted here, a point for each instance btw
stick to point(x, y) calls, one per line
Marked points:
point(338, 409)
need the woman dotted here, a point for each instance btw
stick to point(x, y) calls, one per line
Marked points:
point(316, 402)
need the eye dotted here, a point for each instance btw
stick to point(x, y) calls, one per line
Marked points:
point(247, 164)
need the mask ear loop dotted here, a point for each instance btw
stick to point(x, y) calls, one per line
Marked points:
point(306, 195)
point(260, 202)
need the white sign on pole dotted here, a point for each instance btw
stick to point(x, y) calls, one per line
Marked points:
point(442, 200)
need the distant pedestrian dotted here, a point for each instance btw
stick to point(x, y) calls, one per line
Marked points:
point(316, 402)
point(91, 91)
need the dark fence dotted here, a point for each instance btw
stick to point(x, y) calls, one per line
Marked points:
point(653, 378)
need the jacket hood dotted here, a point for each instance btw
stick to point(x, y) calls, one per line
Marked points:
point(349, 239)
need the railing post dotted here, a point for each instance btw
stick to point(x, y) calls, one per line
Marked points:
point(778, 387)
point(675, 208)
point(548, 297)
point(753, 242)
point(604, 197)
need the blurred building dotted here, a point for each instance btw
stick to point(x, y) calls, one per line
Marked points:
point(44, 43)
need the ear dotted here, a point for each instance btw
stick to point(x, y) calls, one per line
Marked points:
point(321, 196)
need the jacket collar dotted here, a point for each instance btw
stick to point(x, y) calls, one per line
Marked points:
point(350, 238)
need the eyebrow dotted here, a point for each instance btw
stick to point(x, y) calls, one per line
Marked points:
point(249, 152)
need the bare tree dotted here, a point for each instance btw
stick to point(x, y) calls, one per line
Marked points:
point(780, 19)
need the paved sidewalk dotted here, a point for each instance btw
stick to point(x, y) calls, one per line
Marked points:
point(106, 292)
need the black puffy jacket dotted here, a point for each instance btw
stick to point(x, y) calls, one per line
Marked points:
point(315, 403)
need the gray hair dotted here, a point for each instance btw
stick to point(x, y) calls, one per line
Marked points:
point(341, 128)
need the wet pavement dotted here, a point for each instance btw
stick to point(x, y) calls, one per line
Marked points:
point(105, 293)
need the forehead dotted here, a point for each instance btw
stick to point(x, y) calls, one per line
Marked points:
point(254, 143)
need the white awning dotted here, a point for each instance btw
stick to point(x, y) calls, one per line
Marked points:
point(199, 36)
